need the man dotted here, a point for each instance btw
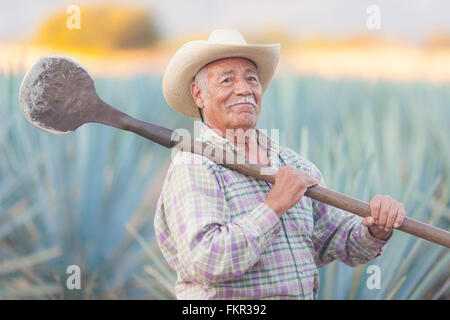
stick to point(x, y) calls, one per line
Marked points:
point(231, 236)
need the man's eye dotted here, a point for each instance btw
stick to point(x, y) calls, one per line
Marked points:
point(227, 79)
point(251, 78)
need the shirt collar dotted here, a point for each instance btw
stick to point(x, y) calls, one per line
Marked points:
point(208, 134)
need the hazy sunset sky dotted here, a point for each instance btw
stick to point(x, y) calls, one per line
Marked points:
point(412, 20)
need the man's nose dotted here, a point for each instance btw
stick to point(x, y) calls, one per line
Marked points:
point(242, 88)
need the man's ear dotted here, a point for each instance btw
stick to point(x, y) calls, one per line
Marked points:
point(197, 94)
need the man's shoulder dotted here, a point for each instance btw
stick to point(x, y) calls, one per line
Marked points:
point(183, 160)
point(187, 168)
point(188, 163)
point(187, 158)
point(298, 161)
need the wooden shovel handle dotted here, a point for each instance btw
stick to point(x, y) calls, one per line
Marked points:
point(324, 195)
point(170, 139)
point(361, 208)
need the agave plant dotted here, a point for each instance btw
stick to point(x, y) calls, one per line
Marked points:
point(71, 200)
point(88, 198)
point(376, 138)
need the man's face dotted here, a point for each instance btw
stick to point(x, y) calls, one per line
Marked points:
point(234, 95)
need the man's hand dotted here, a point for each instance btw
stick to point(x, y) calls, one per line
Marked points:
point(385, 214)
point(290, 186)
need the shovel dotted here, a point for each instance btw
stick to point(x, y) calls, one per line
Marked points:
point(58, 95)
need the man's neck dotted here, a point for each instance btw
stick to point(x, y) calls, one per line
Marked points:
point(245, 140)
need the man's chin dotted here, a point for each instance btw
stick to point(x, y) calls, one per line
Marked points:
point(245, 124)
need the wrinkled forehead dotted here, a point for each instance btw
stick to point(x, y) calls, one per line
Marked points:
point(228, 64)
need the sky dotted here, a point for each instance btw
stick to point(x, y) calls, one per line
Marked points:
point(412, 20)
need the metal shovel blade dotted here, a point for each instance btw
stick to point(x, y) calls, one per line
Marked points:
point(55, 94)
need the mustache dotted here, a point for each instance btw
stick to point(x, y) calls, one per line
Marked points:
point(247, 99)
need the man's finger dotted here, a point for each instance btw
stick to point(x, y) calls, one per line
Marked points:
point(313, 182)
point(392, 215)
point(368, 221)
point(400, 217)
point(375, 207)
point(384, 210)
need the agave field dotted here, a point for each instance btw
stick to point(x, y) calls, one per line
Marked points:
point(88, 198)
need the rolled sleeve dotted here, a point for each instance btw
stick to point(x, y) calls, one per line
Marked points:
point(339, 234)
point(375, 245)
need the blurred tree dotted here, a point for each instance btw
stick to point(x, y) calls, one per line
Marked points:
point(102, 27)
point(439, 39)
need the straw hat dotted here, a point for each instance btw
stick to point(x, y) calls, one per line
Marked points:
point(192, 56)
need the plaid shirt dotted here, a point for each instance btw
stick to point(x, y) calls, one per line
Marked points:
point(224, 242)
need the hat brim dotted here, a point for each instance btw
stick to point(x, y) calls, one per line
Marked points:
point(192, 56)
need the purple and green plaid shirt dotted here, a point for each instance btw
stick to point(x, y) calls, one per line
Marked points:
point(224, 242)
